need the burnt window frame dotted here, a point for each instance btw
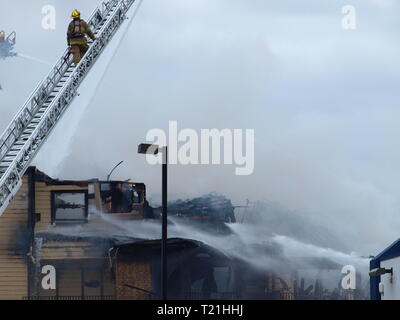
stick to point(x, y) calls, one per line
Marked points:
point(139, 188)
point(54, 220)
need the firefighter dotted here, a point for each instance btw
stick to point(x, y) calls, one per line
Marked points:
point(116, 197)
point(77, 41)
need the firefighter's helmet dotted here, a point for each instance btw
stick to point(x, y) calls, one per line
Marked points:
point(75, 14)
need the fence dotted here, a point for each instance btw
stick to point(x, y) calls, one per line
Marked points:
point(69, 298)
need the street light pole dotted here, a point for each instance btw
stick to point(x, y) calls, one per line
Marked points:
point(154, 149)
point(164, 271)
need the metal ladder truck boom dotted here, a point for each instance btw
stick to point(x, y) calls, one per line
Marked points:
point(39, 115)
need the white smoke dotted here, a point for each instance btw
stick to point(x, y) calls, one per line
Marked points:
point(30, 58)
point(325, 132)
point(246, 242)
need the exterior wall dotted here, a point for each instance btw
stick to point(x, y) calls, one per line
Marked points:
point(68, 257)
point(43, 202)
point(391, 290)
point(133, 273)
point(69, 282)
point(60, 250)
point(78, 280)
point(14, 246)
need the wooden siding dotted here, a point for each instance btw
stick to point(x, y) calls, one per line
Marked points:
point(78, 279)
point(43, 202)
point(134, 273)
point(60, 250)
point(14, 245)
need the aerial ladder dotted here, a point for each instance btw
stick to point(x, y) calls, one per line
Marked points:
point(7, 44)
point(33, 124)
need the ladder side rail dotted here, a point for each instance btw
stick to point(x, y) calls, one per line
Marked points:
point(13, 175)
point(13, 182)
point(10, 130)
point(28, 111)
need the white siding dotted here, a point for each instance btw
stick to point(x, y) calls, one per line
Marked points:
point(391, 290)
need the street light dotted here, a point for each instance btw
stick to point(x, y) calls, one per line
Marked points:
point(155, 149)
point(381, 271)
point(109, 175)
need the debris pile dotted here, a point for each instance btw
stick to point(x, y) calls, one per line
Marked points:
point(212, 206)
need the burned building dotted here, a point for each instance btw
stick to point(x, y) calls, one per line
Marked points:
point(77, 229)
point(88, 233)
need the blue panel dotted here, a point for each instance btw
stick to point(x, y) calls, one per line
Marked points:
point(374, 281)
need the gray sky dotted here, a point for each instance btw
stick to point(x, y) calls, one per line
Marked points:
point(322, 100)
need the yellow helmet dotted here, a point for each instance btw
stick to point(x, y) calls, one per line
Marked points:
point(75, 14)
